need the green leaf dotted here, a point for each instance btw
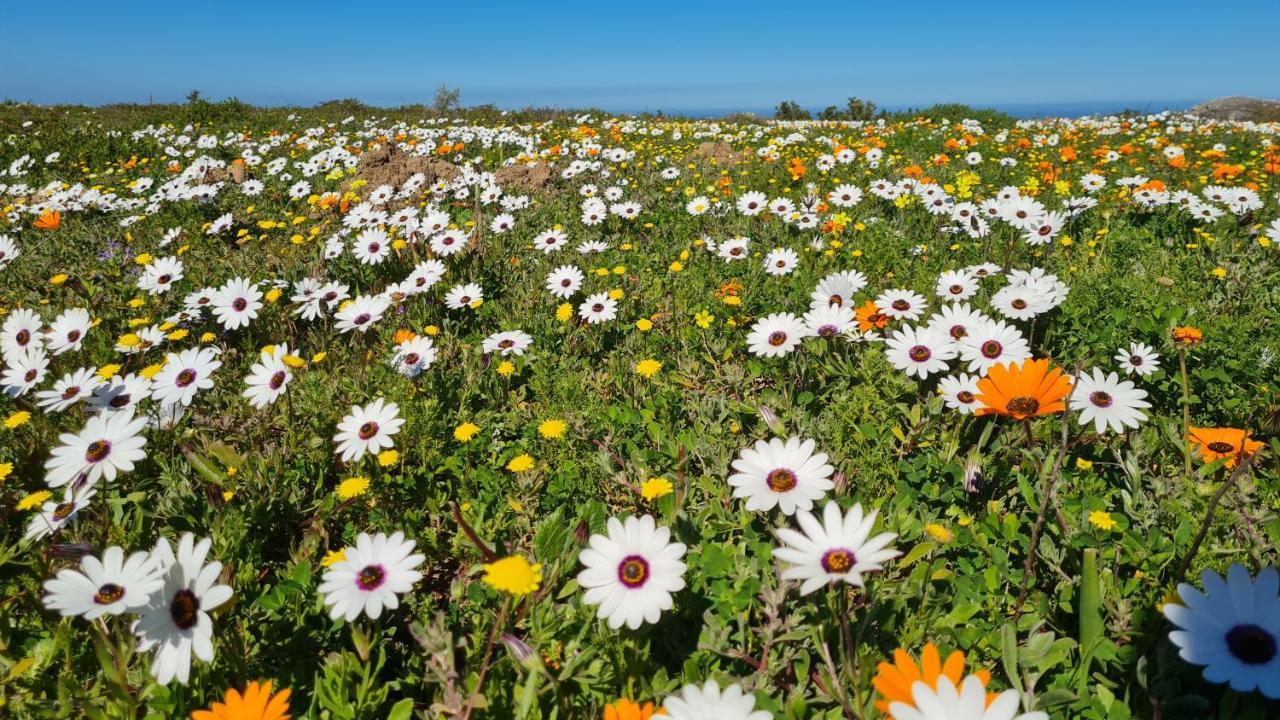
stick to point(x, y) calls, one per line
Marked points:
point(402, 710)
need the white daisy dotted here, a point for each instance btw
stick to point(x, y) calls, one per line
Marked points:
point(710, 703)
point(372, 246)
point(901, 304)
point(110, 586)
point(53, 516)
point(955, 285)
point(1140, 359)
point(119, 394)
point(919, 351)
point(371, 576)
point(838, 289)
point(268, 378)
point(993, 343)
point(237, 303)
point(24, 370)
point(1107, 401)
point(461, 296)
point(69, 390)
point(367, 429)
point(184, 374)
point(598, 308)
point(827, 321)
point(361, 313)
point(67, 332)
point(840, 548)
point(108, 445)
point(946, 702)
point(414, 355)
point(781, 261)
point(960, 392)
point(511, 342)
point(776, 335)
point(631, 572)
point(548, 241)
point(564, 281)
point(20, 332)
point(787, 475)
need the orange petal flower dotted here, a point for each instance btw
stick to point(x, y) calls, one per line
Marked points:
point(870, 318)
point(627, 710)
point(1187, 335)
point(1022, 391)
point(257, 703)
point(49, 220)
point(1217, 443)
point(894, 681)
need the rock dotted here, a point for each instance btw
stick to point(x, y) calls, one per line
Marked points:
point(1239, 108)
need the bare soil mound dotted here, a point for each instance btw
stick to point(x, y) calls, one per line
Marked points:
point(720, 152)
point(1239, 108)
point(535, 177)
point(389, 165)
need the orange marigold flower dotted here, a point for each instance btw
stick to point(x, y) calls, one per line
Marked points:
point(49, 220)
point(404, 336)
point(1218, 443)
point(1022, 391)
point(1187, 335)
point(894, 680)
point(627, 710)
point(257, 703)
point(870, 318)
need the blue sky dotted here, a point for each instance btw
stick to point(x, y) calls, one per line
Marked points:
point(646, 55)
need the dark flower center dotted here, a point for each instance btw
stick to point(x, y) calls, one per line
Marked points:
point(901, 305)
point(108, 594)
point(835, 300)
point(1251, 644)
point(958, 331)
point(277, 380)
point(185, 378)
point(164, 279)
point(371, 577)
point(506, 344)
point(374, 247)
point(1100, 398)
point(781, 480)
point(956, 289)
point(992, 349)
point(63, 510)
point(1023, 405)
point(827, 331)
point(97, 451)
point(119, 401)
point(239, 304)
point(23, 337)
point(777, 338)
point(633, 571)
point(1019, 304)
point(184, 609)
point(368, 430)
point(965, 397)
point(598, 307)
point(1135, 360)
point(838, 560)
point(30, 375)
point(411, 359)
point(1221, 447)
point(73, 336)
point(70, 392)
point(919, 353)
point(363, 318)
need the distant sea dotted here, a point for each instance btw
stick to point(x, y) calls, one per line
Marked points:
point(1018, 110)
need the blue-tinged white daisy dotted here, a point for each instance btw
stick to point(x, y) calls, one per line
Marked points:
point(175, 622)
point(110, 586)
point(367, 429)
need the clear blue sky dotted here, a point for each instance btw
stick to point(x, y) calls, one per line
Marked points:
point(647, 54)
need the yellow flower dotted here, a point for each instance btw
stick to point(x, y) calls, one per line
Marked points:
point(352, 487)
point(564, 312)
point(648, 368)
point(273, 295)
point(5, 470)
point(58, 279)
point(513, 575)
point(207, 337)
point(520, 463)
point(227, 495)
point(143, 259)
point(644, 324)
point(137, 303)
point(294, 361)
point(177, 335)
point(1101, 520)
point(676, 266)
point(151, 371)
point(617, 294)
point(654, 488)
point(465, 431)
point(1084, 465)
point(939, 533)
point(106, 372)
point(551, 429)
point(232, 471)
point(431, 330)
point(34, 500)
point(475, 304)
point(704, 319)
point(1219, 272)
point(732, 300)
point(387, 458)
point(505, 368)
point(333, 556)
point(319, 357)
point(16, 419)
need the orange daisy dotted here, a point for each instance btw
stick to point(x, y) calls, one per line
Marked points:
point(1024, 390)
point(49, 220)
point(870, 318)
point(626, 710)
point(1187, 335)
point(1217, 443)
point(894, 680)
point(257, 703)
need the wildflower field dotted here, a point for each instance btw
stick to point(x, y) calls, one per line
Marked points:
point(940, 416)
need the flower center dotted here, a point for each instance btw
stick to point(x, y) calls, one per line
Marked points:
point(598, 307)
point(827, 331)
point(777, 338)
point(958, 331)
point(371, 578)
point(239, 304)
point(633, 571)
point(991, 349)
point(965, 397)
point(164, 279)
point(838, 560)
point(781, 480)
point(1023, 405)
point(97, 451)
point(1221, 447)
point(411, 359)
point(368, 430)
point(30, 375)
point(119, 401)
point(835, 300)
point(919, 353)
point(1252, 645)
point(956, 289)
point(184, 609)
point(901, 305)
point(1100, 398)
point(63, 510)
point(1135, 360)
point(185, 378)
point(70, 392)
point(108, 594)
point(277, 380)
point(1019, 304)
point(362, 318)
point(73, 336)
point(23, 337)
point(374, 247)
point(506, 344)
